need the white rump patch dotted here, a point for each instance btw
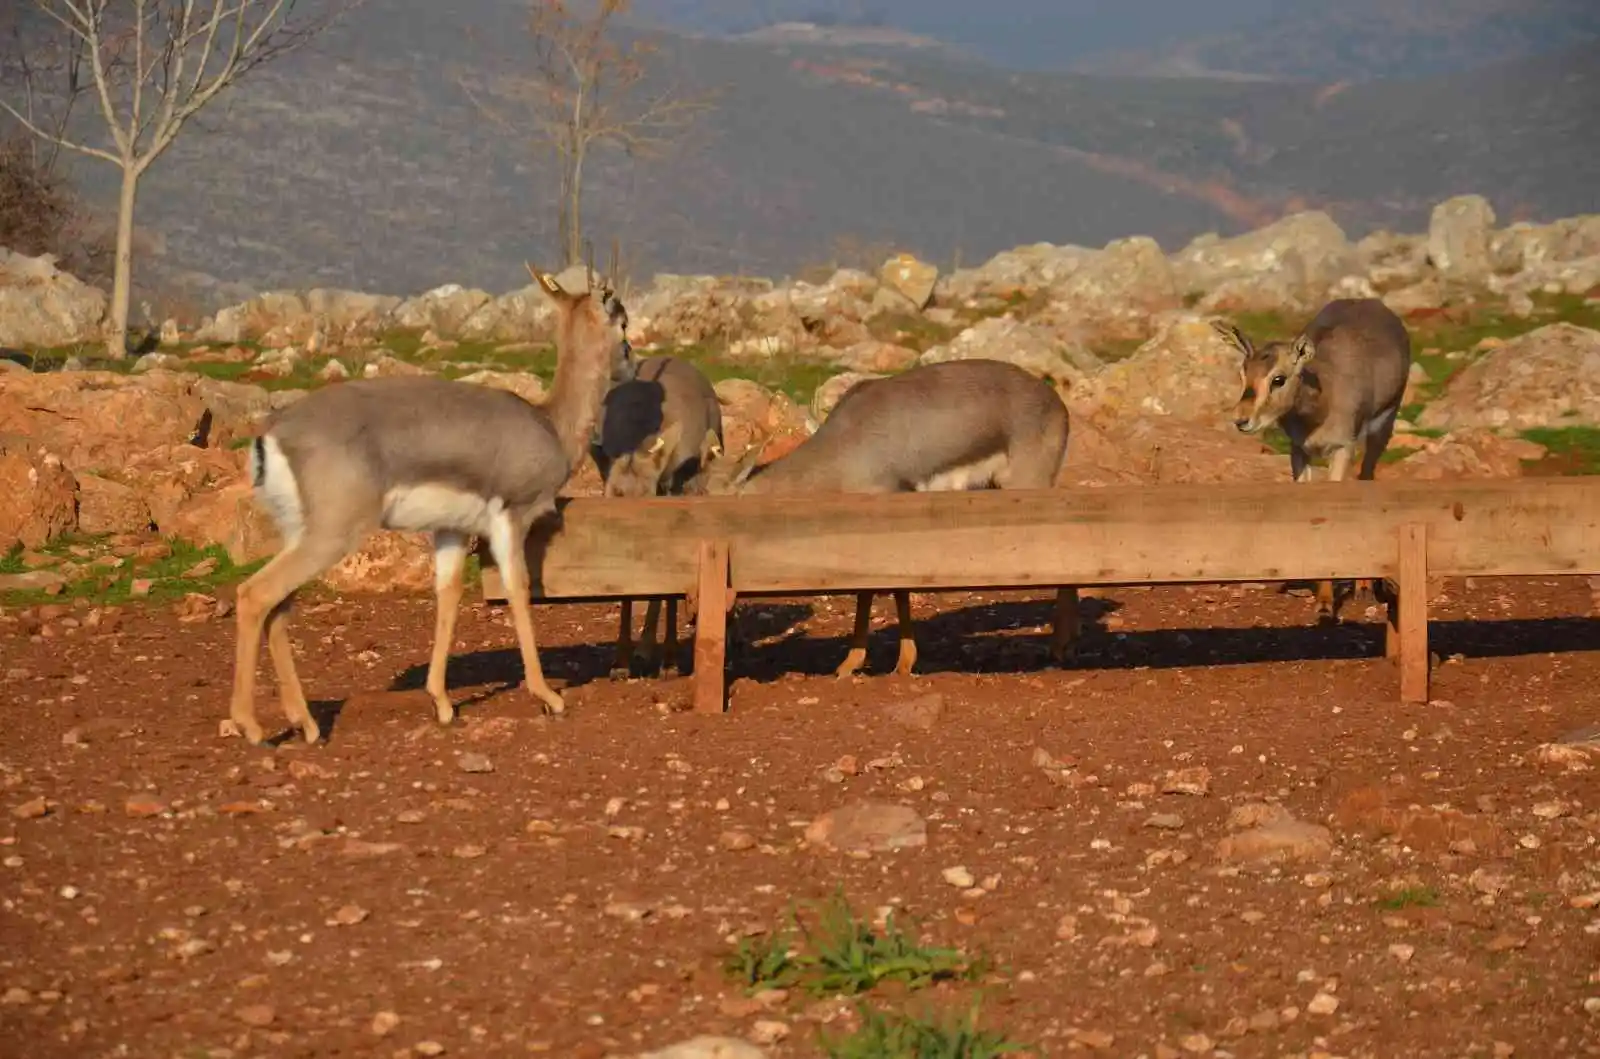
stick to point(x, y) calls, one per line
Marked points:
point(429, 508)
point(976, 475)
point(279, 491)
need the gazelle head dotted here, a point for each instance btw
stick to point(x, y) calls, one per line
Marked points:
point(591, 319)
point(1270, 377)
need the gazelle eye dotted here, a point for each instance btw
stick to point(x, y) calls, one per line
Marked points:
point(1278, 380)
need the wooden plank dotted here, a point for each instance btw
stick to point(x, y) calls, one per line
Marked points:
point(711, 627)
point(1413, 626)
point(1014, 539)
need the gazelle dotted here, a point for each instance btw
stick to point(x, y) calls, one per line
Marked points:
point(422, 454)
point(960, 424)
point(658, 433)
point(1336, 385)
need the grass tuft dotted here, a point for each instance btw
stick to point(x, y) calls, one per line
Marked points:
point(1410, 897)
point(843, 954)
point(886, 1035)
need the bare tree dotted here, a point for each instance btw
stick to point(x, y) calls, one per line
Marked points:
point(151, 65)
point(586, 92)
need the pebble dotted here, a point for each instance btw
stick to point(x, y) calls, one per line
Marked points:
point(140, 807)
point(474, 762)
point(1198, 1043)
point(1165, 822)
point(1402, 952)
point(256, 1015)
point(736, 841)
point(384, 1023)
point(348, 916)
point(468, 852)
point(1323, 1004)
point(31, 810)
point(959, 877)
point(428, 1048)
point(768, 1031)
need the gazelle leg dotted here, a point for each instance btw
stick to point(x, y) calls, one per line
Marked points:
point(623, 661)
point(449, 572)
point(649, 655)
point(1068, 625)
point(257, 600)
point(291, 696)
point(670, 659)
point(1379, 431)
point(1327, 604)
point(858, 637)
point(507, 542)
point(908, 636)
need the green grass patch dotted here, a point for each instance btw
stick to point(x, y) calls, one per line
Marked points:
point(893, 1035)
point(1410, 897)
point(840, 953)
point(183, 569)
point(1571, 450)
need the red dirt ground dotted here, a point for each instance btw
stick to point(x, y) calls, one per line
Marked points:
point(212, 925)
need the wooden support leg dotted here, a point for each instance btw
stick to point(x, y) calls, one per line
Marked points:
point(1413, 607)
point(1391, 627)
point(711, 627)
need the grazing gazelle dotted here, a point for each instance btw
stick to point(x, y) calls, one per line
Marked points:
point(658, 433)
point(422, 454)
point(960, 424)
point(1337, 385)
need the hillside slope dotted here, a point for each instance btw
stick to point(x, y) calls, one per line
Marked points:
point(363, 163)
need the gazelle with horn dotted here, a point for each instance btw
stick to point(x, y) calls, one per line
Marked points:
point(423, 454)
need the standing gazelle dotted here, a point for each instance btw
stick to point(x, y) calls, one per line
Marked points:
point(959, 424)
point(1337, 385)
point(428, 455)
point(658, 433)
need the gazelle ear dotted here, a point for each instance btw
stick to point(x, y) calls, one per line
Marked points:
point(1304, 350)
point(545, 280)
point(1233, 336)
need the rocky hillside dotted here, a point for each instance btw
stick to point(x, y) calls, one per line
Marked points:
point(362, 162)
point(1504, 322)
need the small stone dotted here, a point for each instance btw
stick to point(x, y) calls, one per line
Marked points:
point(1320, 880)
point(1263, 1021)
point(768, 1031)
point(736, 841)
point(1323, 1004)
point(384, 1023)
point(15, 997)
point(874, 827)
point(1165, 822)
point(468, 852)
point(1192, 781)
point(410, 816)
point(348, 916)
point(1402, 952)
point(257, 1015)
point(1197, 1043)
point(1067, 927)
point(140, 586)
point(68, 892)
point(141, 806)
point(474, 762)
point(1592, 1005)
point(31, 810)
point(1550, 810)
point(921, 713)
point(631, 911)
point(1504, 1050)
point(959, 877)
point(428, 1048)
point(1098, 1040)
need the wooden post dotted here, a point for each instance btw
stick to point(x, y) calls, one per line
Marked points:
point(1413, 608)
point(711, 627)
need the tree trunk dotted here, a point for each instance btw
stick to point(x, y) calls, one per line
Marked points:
point(122, 274)
point(574, 209)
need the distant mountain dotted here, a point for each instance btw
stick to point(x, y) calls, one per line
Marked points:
point(1363, 40)
point(362, 163)
point(1282, 39)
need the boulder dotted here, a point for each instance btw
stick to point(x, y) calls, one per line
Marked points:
point(1025, 344)
point(1549, 377)
point(42, 306)
point(1523, 245)
point(1115, 291)
point(1470, 453)
point(525, 315)
point(1459, 231)
point(1024, 270)
point(1289, 264)
point(1187, 370)
point(38, 496)
point(753, 414)
point(106, 505)
point(912, 279)
point(443, 309)
point(830, 393)
point(875, 356)
point(525, 385)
